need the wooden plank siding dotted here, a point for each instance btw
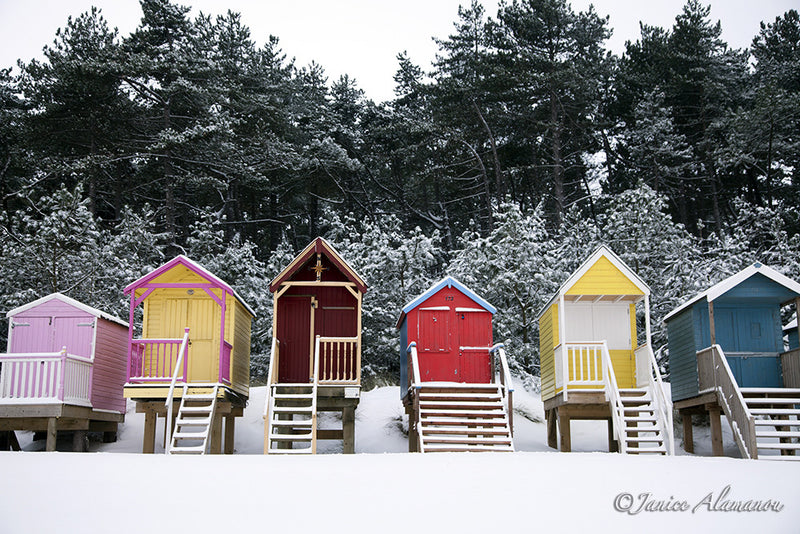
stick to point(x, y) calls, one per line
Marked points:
point(682, 341)
point(548, 333)
point(603, 278)
point(109, 371)
point(790, 363)
point(240, 356)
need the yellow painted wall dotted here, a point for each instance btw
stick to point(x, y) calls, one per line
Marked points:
point(240, 358)
point(603, 278)
point(548, 336)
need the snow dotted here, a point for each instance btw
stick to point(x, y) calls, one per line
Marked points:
point(385, 489)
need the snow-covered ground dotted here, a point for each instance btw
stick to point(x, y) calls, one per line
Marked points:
point(385, 489)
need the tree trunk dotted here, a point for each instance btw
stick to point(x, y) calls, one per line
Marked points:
point(555, 149)
point(498, 174)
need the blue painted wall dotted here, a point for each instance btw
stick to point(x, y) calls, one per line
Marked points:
point(403, 358)
point(794, 342)
point(682, 355)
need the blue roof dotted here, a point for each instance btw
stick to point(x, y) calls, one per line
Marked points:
point(449, 282)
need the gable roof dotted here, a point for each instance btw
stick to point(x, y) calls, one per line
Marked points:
point(319, 246)
point(791, 326)
point(67, 300)
point(447, 281)
point(602, 252)
point(192, 266)
point(717, 290)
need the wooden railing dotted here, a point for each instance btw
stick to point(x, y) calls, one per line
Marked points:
point(614, 398)
point(648, 375)
point(790, 364)
point(579, 364)
point(225, 363)
point(715, 374)
point(507, 385)
point(45, 377)
point(272, 379)
point(153, 360)
point(413, 366)
point(171, 395)
point(339, 360)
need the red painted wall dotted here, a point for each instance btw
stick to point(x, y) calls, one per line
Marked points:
point(452, 343)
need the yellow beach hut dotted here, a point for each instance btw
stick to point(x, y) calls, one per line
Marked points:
point(593, 365)
point(192, 363)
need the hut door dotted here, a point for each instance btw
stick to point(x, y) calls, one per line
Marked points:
point(474, 338)
point(75, 333)
point(30, 334)
point(200, 315)
point(294, 320)
point(437, 361)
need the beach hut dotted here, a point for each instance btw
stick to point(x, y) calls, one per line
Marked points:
point(64, 370)
point(448, 380)
point(315, 365)
point(726, 354)
point(596, 364)
point(191, 365)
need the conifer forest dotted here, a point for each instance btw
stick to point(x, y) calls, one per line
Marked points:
point(505, 163)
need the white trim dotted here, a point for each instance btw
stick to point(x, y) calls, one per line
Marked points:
point(792, 325)
point(459, 310)
point(332, 250)
point(436, 308)
point(601, 251)
point(71, 302)
point(449, 281)
point(717, 290)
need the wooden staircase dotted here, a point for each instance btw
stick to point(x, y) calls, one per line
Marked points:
point(462, 417)
point(643, 430)
point(292, 419)
point(776, 414)
point(193, 423)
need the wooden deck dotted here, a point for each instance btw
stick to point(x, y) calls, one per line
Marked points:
point(54, 417)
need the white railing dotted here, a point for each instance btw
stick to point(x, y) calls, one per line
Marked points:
point(340, 361)
point(648, 375)
point(272, 377)
point(715, 374)
point(413, 366)
point(614, 398)
point(581, 365)
point(171, 395)
point(314, 389)
point(45, 377)
point(505, 381)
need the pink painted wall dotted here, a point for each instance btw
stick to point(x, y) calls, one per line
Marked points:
point(55, 324)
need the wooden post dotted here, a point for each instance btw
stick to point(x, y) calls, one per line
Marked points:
point(230, 429)
point(216, 434)
point(563, 427)
point(12, 439)
point(711, 328)
point(688, 432)
point(149, 442)
point(349, 429)
point(52, 434)
point(613, 446)
point(79, 441)
point(784, 452)
point(716, 430)
point(413, 433)
point(552, 429)
point(109, 437)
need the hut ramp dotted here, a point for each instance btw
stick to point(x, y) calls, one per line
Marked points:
point(454, 417)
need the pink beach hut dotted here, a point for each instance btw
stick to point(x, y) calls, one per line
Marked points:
point(64, 370)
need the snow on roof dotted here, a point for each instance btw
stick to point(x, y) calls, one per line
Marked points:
point(448, 281)
point(67, 300)
point(717, 290)
point(602, 251)
point(194, 266)
point(792, 324)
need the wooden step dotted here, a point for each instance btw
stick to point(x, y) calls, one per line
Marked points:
point(651, 439)
point(780, 458)
point(306, 450)
point(770, 391)
point(462, 413)
point(430, 430)
point(772, 400)
point(778, 434)
point(458, 404)
point(778, 446)
point(190, 435)
point(466, 439)
point(292, 396)
point(291, 409)
point(654, 450)
point(195, 449)
point(777, 422)
point(446, 447)
point(196, 409)
point(290, 437)
point(463, 396)
point(464, 422)
point(775, 411)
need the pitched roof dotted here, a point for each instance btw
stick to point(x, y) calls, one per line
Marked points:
point(717, 290)
point(192, 266)
point(448, 281)
point(792, 325)
point(317, 246)
point(67, 300)
point(602, 252)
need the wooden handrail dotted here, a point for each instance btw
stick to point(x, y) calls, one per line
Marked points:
point(506, 382)
point(612, 391)
point(314, 390)
point(412, 350)
point(339, 360)
point(171, 395)
point(271, 378)
point(715, 374)
point(647, 373)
